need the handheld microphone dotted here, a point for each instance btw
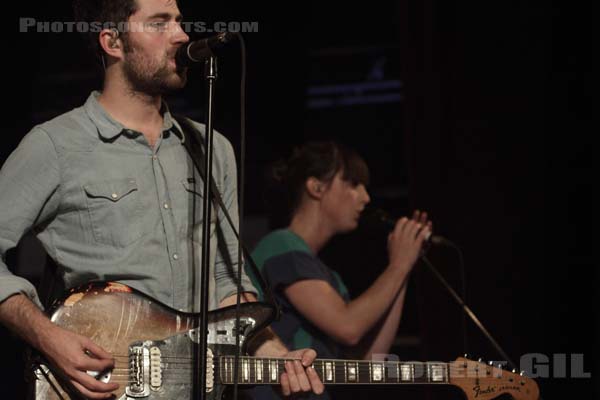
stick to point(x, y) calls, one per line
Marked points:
point(197, 51)
point(381, 217)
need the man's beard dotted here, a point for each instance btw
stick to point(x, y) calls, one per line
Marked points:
point(151, 76)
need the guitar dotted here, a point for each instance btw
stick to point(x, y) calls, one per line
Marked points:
point(153, 349)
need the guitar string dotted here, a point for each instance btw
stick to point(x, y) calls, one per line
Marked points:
point(170, 374)
point(340, 367)
point(280, 360)
point(337, 371)
point(337, 368)
point(321, 363)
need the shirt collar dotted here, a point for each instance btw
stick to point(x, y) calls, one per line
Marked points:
point(109, 128)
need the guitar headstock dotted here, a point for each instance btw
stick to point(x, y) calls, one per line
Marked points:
point(485, 382)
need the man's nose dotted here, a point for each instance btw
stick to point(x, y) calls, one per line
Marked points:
point(179, 35)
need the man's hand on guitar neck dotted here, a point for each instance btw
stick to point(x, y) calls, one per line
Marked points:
point(299, 375)
point(71, 353)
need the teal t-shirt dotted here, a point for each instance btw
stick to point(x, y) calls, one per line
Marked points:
point(284, 258)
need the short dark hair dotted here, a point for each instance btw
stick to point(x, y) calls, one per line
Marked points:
point(103, 12)
point(319, 159)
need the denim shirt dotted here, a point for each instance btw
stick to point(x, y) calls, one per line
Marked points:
point(107, 206)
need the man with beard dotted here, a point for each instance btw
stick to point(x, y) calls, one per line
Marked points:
point(108, 189)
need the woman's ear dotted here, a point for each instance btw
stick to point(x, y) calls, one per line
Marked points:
point(314, 187)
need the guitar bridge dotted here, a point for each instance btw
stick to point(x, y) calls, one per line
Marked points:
point(139, 370)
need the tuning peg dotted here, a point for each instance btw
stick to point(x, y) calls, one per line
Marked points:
point(466, 355)
point(522, 373)
point(514, 371)
point(500, 366)
point(491, 363)
point(480, 359)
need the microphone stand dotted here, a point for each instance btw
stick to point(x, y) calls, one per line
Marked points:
point(466, 310)
point(201, 347)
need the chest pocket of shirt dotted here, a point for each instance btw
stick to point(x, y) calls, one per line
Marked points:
point(195, 194)
point(115, 211)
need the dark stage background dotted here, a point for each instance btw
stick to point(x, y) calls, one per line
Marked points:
point(476, 111)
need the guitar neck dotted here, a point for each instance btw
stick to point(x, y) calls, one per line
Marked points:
point(254, 370)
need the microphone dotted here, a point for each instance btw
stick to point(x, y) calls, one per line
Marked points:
point(381, 217)
point(199, 50)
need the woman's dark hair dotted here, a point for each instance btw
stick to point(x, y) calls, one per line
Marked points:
point(102, 14)
point(319, 159)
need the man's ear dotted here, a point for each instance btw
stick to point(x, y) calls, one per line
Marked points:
point(110, 42)
point(314, 187)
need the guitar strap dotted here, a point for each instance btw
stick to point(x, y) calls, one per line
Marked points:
point(196, 152)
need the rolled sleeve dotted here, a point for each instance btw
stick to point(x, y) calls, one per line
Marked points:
point(28, 179)
point(226, 263)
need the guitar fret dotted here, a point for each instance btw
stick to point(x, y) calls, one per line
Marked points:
point(428, 372)
point(245, 371)
point(377, 371)
point(437, 374)
point(407, 373)
point(329, 374)
point(352, 371)
point(274, 370)
point(419, 371)
point(390, 371)
point(397, 371)
point(259, 373)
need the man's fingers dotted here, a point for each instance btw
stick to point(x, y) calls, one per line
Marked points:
point(308, 357)
point(285, 384)
point(90, 383)
point(292, 378)
point(301, 376)
point(92, 364)
point(315, 381)
point(96, 350)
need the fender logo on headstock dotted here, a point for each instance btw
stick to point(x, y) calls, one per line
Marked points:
point(490, 390)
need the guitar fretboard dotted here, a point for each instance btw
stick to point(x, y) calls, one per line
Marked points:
point(268, 370)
